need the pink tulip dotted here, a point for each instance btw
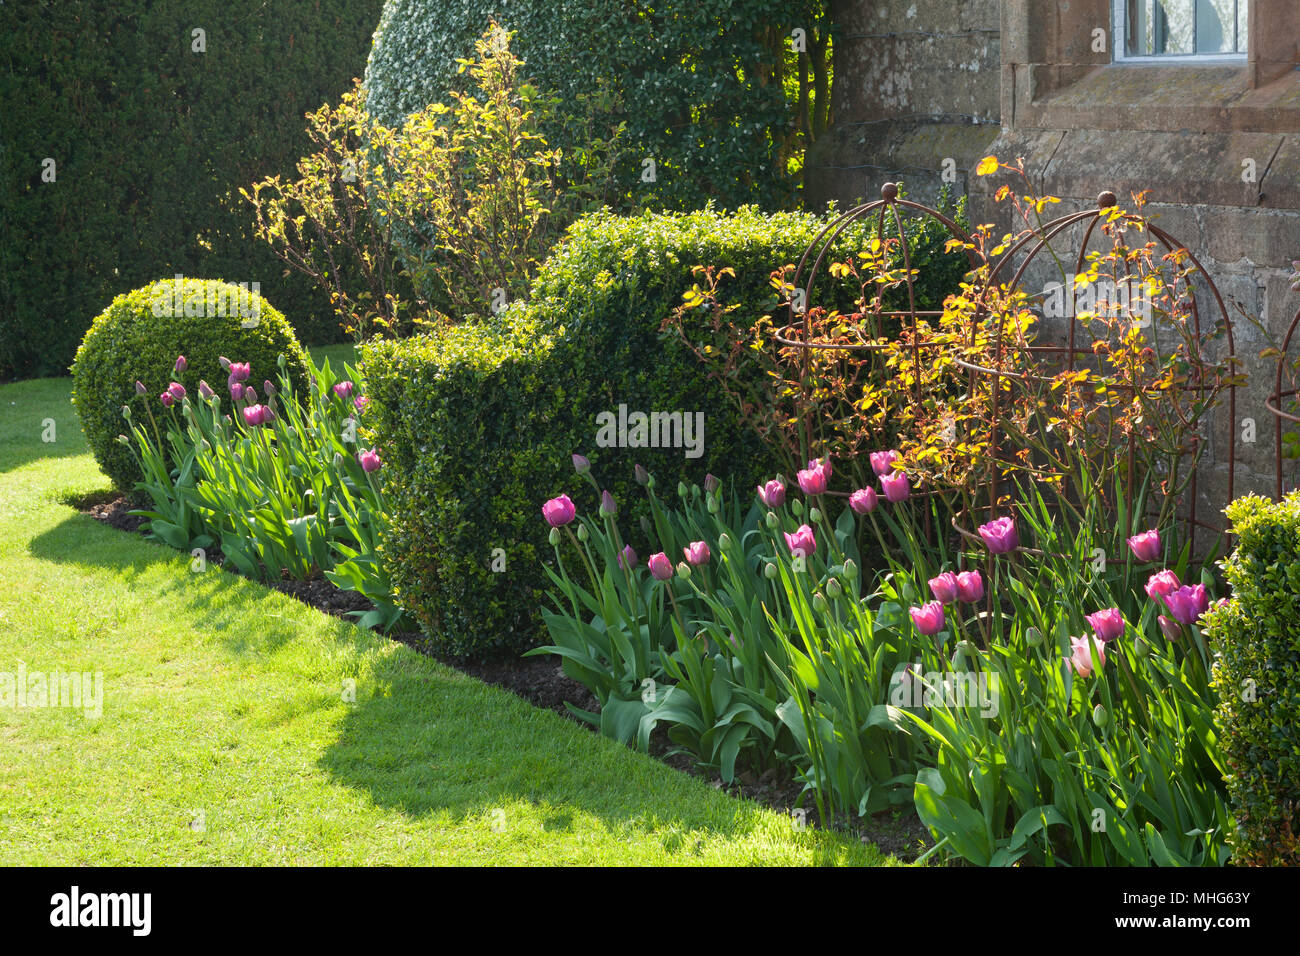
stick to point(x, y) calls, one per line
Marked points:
point(1187, 604)
point(1169, 627)
point(205, 389)
point(1145, 546)
point(803, 543)
point(559, 511)
point(236, 391)
point(176, 390)
point(627, 558)
point(181, 365)
point(369, 460)
point(882, 462)
point(239, 371)
point(1000, 535)
point(928, 618)
point(896, 486)
point(1107, 624)
point(139, 387)
point(697, 553)
point(250, 393)
point(863, 501)
point(581, 464)
point(166, 399)
point(268, 387)
point(1086, 654)
point(344, 389)
point(711, 483)
point(944, 587)
point(360, 403)
point(970, 586)
point(256, 414)
point(660, 566)
point(1161, 584)
point(813, 479)
point(608, 506)
point(772, 494)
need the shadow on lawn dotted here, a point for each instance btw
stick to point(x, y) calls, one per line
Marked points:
point(422, 738)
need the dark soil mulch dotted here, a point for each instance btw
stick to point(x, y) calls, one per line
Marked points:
point(542, 682)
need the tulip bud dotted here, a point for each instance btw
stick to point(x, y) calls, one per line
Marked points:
point(814, 515)
point(581, 464)
point(712, 505)
point(711, 483)
point(819, 603)
point(772, 520)
point(1141, 648)
point(608, 507)
point(139, 387)
point(1033, 636)
point(833, 589)
point(268, 387)
point(642, 476)
point(695, 491)
point(280, 361)
point(681, 489)
point(123, 440)
point(724, 541)
point(851, 569)
point(338, 459)
point(582, 532)
point(796, 506)
point(554, 536)
point(769, 571)
point(683, 570)
point(126, 413)
point(225, 362)
point(1100, 717)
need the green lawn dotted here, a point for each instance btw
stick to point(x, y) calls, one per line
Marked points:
point(225, 736)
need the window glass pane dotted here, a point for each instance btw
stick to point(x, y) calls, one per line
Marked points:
point(1216, 26)
point(1175, 26)
point(1184, 27)
point(1242, 5)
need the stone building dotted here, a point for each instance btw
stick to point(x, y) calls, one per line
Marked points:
point(1195, 101)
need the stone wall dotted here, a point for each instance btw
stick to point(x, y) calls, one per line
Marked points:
point(926, 88)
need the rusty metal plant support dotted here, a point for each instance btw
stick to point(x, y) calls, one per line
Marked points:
point(1025, 249)
point(1274, 404)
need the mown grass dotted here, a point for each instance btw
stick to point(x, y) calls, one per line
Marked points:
point(229, 734)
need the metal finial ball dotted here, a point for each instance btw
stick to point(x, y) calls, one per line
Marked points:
point(1106, 199)
point(889, 192)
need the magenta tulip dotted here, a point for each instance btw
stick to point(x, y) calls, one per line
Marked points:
point(581, 464)
point(239, 371)
point(660, 566)
point(1169, 627)
point(772, 494)
point(803, 543)
point(863, 501)
point(944, 587)
point(1161, 584)
point(360, 403)
point(176, 390)
point(256, 415)
point(236, 391)
point(697, 553)
point(1000, 535)
point(896, 486)
point(928, 618)
point(1187, 604)
point(627, 558)
point(205, 389)
point(139, 387)
point(250, 393)
point(711, 483)
point(813, 479)
point(970, 586)
point(608, 506)
point(344, 389)
point(1107, 624)
point(559, 511)
point(166, 399)
point(1145, 546)
point(369, 461)
point(882, 462)
point(1086, 655)
point(181, 365)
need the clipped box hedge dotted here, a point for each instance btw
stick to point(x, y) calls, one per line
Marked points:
point(477, 424)
point(1257, 677)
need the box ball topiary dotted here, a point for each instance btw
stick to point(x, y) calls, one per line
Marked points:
point(141, 334)
point(1256, 637)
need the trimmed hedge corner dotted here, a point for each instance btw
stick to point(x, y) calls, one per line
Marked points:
point(477, 424)
point(1257, 677)
point(138, 338)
